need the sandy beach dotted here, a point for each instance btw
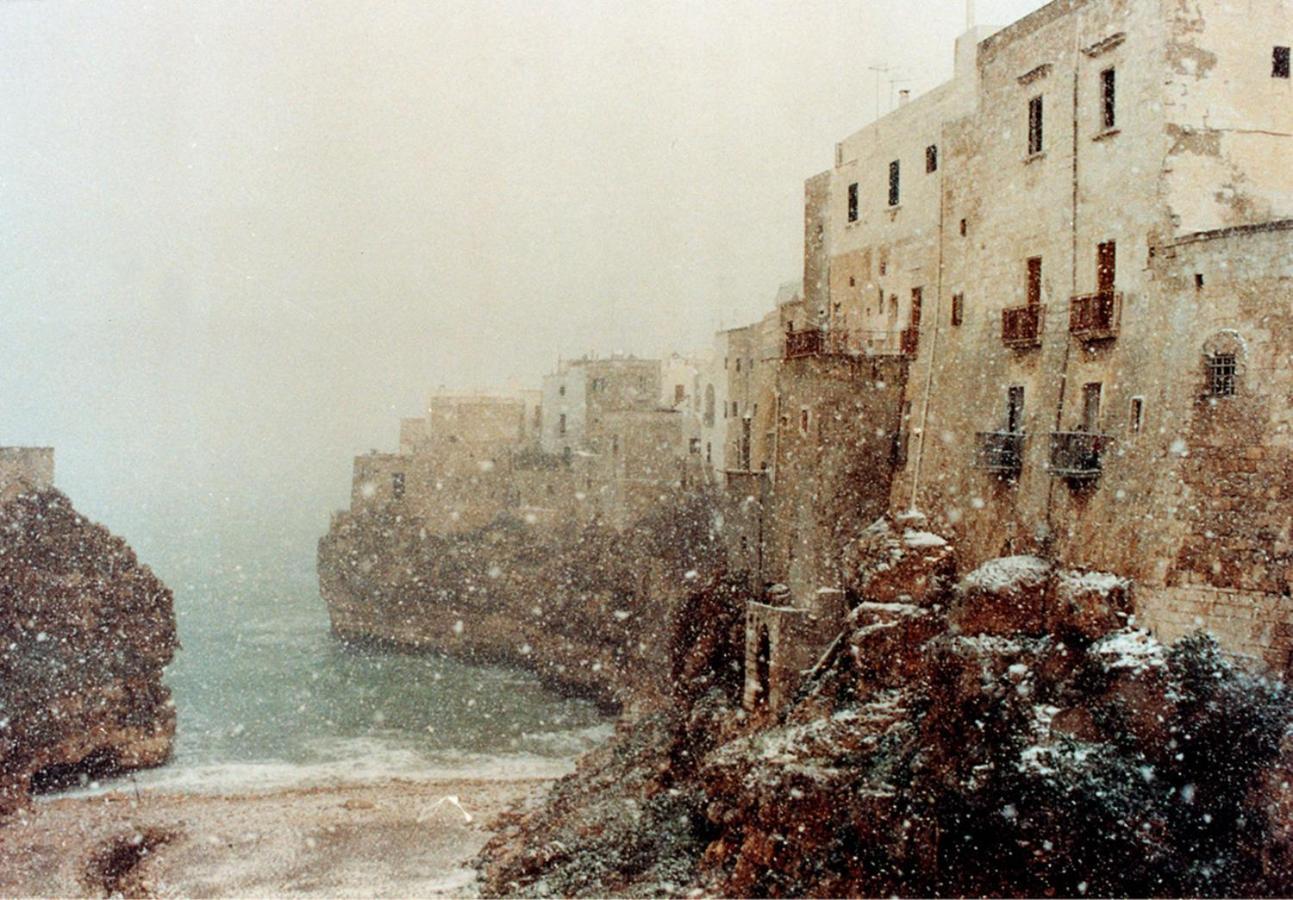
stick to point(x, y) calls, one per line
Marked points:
point(392, 839)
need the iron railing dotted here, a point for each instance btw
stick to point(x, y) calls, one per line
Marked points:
point(1095, 317)
point(1000, 451)
point(1021, 326)
point(1078, 455)
point(804, 343)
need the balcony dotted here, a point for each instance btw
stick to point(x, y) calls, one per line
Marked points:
point(1078, 455)
point(1095, 317)
point(803, 343)
point(1001, 452)
point(910, 341)
point(1021, 326)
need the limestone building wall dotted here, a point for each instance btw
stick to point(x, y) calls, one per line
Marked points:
point(25, 468)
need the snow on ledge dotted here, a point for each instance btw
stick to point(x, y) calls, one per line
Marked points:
point(1132, 649)
point(922, 539)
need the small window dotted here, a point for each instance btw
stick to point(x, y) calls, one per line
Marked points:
point(1137, 415)
point(1280, 62)
point(895, 192)
point(397, 485)
point(1034, 126)
point(1198, 281)
point(965, 228)
point(931, 158)
point(1221, 375)
point(738, 364)
point(561, 424)
point(1034, 283)
point(679, 393)
point(803, 420)
point(561, 391)
point(615, 444)
point(709, 452)
point(884, 266)
point(853, 202)
point(958, 309)
point(852, 281)
point(1108, 99)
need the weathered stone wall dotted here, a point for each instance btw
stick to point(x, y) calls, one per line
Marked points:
point(839, 417)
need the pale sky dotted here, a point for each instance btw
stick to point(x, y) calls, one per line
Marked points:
point(239, 240)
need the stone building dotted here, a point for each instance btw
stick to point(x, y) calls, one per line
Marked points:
point(25, 469)
point(1081, 250)
point(576, 396)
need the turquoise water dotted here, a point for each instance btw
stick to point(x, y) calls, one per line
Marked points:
point(266, 697)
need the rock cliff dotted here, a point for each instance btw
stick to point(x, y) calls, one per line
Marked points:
point(85, 631)
point(1008, 732)
point(589, 609)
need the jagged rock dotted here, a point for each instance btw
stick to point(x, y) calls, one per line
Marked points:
point(85, 632)
point(1004, 596)
point(893, 562)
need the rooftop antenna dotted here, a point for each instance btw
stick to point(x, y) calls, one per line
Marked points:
point(877, 70)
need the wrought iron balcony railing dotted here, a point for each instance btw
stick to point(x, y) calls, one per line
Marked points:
point(1095, 317)
point(1021, 326)
point(1078, 455)
point(803, 343)
point(1001, 451)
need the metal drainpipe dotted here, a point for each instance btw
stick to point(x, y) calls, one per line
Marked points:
point(933, 346)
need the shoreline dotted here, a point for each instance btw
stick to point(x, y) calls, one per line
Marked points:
point(398, 837)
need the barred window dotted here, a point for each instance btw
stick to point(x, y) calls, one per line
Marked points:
point(958, 308)
point(1221, 375)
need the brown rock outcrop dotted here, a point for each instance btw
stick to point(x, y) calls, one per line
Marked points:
point(1007, 735)
point(85, 631)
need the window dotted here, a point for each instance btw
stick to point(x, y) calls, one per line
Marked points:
point(958, 309)
point(894, 184)
point(917, 298)
point(852, 281)
point(1137, 414)
point(709, 452)
point(1198, 281)
point(615, 444)
point(853, 202)
point(1034, 286)
point(1034, 126)
point(738, 364)
point(1015, 408)
point(1221, 375)
point(1108, 99)
point(679, 393)
point(1280, 62)
point(965, 228)
point(397, 485)
point(561, 391)
point(803, 420)
point(931, 158)
point(1106, 266)
point(1091, 406)
point(561, 424)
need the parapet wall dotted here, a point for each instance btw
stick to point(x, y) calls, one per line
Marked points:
point(25, 468)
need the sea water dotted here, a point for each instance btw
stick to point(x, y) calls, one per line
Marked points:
point(267, 697)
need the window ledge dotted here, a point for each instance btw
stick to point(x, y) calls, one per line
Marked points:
point(1034, 157)
point(1107, 134)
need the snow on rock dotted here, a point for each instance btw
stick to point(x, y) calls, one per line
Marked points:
point(922, 539)
point(1008, 573)
point(1132, 649)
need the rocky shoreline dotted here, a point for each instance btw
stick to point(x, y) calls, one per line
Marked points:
point(85, 632)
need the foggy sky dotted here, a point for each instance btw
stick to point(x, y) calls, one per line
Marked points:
point(239, 240)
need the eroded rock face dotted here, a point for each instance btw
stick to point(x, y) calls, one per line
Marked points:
point(1006, 734)
point(589, 609)
point(85, 631)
